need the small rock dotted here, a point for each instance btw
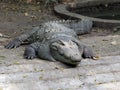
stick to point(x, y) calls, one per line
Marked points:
point(113, 43)
point(56, 67)
point(106, 5)
point(1, 34)
point(26, 14)
point(105, 40)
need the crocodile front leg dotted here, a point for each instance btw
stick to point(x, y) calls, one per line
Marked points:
point(44, 52)
point(86, 51)
point(31, 51)
point(18, 40)
point(38, 49)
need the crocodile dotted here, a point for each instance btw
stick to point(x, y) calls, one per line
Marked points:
point(56, 41)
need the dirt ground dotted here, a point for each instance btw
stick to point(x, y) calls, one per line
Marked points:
point(16, 19)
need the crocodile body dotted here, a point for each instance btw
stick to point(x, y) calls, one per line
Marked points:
point(56, 41)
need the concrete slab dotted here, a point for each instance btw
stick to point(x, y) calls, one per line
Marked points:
point(17, 73)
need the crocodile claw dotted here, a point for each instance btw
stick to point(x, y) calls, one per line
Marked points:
point(29, 53)
point(88, 53)
point(13, 44)
point(29, 56)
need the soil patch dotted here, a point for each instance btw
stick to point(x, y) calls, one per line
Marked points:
point(16, 19)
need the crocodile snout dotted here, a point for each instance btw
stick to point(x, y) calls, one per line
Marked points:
point(75, 59)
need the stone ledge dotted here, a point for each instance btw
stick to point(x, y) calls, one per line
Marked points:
point(63, 10)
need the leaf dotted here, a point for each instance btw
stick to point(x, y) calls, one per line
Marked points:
point(25, 76)
point(17, 63)
point(40, 77)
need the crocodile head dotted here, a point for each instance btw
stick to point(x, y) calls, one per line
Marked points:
point(66, 51)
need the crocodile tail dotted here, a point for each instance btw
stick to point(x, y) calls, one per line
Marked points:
point(82, 26)
point(79, 26)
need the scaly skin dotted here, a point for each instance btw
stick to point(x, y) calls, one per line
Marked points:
point(55, 41)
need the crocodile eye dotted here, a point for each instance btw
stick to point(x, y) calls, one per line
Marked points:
point(54, 46)
point(61, 42)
